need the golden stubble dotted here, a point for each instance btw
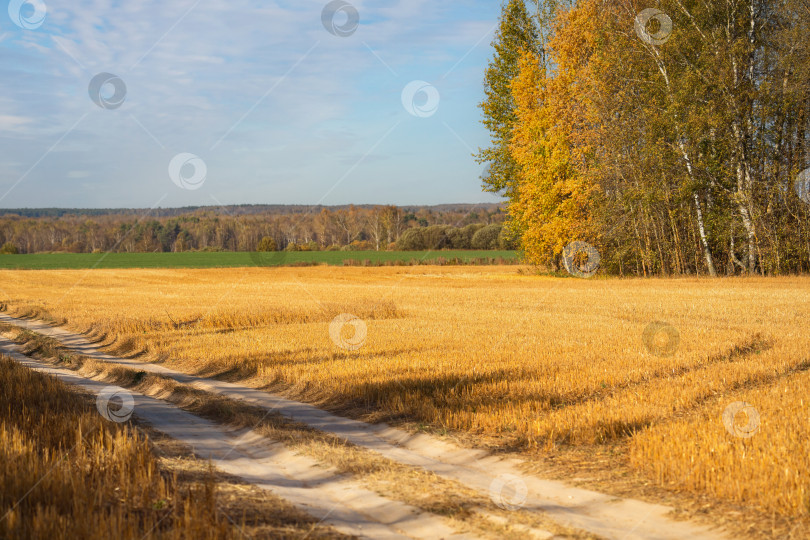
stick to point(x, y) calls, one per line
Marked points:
point(518, 360)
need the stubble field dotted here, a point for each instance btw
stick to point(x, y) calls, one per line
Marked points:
point(700, 385)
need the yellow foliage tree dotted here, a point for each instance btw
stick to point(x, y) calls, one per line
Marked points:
point(549, 144)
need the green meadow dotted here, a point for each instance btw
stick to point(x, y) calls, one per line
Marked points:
point(52, 261)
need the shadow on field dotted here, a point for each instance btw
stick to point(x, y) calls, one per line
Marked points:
point(235, 368)
point(738, 352)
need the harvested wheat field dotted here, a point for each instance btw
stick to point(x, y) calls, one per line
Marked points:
point(688, 391)
point(68, 473)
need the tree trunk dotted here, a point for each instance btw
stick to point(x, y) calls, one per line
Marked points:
point(707, 254)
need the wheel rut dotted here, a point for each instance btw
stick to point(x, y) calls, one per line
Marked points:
point(598, 513)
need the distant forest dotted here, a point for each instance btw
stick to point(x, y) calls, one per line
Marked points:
point(254, 227)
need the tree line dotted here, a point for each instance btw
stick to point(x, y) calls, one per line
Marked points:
point(673, 136)
point(237, 229)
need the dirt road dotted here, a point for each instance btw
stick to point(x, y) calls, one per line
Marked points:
point(604, 515)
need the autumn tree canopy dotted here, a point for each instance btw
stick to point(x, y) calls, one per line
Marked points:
point(672, 138)
point(516, 35)
point(239, 228)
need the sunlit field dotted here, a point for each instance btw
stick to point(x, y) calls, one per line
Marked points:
point(522, 362)
point(90, 479)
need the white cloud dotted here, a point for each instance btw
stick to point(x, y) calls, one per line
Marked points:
point(11, 123)
point(290, 96)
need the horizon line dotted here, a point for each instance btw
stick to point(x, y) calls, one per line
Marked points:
point(215, 206)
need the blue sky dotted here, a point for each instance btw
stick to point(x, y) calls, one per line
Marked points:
point(276, 108)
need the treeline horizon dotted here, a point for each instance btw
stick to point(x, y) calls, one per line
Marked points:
point(235, 209)
point(673, 137)
point(245, 228)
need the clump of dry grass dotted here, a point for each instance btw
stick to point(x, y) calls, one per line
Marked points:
point(66, 473)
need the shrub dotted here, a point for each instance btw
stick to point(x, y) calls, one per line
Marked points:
point(361, 245)
point(487, 237)
point(508, 239)
point(9, 249)
point(412, 240)
point(267, 244)
point(436, 236)
point(461, 237)
point(456, 239)
point(425, 238)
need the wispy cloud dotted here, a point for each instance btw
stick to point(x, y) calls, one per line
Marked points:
point(277, 107)
point(13, 123)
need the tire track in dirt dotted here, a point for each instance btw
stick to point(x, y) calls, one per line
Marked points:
point(321, 492)
point(604, 515)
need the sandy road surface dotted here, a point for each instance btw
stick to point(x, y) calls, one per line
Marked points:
point(319, 491)
point(604, 515)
